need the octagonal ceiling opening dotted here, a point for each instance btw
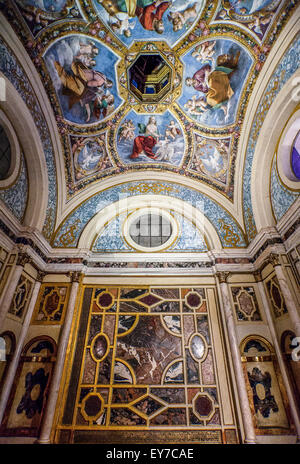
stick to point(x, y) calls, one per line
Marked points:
point(150, 78)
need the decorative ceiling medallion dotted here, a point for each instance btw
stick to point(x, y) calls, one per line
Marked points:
point(90, 156)
point(150, 77)
point(211, 158)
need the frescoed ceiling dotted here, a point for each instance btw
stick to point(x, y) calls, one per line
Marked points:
point(139, 86)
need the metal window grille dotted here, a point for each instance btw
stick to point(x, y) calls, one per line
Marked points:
point(150, 230)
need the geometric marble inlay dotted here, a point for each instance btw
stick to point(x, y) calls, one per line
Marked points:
point(203, 406)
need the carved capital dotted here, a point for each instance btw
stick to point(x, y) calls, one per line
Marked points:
point(23, 259)
point(223, 276)
point(75, 276)
point(257, 275)
point(273, 259)
point(40, 276)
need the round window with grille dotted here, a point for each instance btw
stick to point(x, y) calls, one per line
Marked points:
point(150, 230)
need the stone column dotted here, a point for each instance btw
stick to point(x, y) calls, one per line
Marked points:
point(276, 345)
point(20, 343)
point(236, 358)
point(44, 437)
point(11, 288)
point(287, 294)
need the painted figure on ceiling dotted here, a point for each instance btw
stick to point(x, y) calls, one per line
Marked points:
point(248, 7)
point(210, 157)
point(83, 75)
point(86, 86)
point(146, 139)
point(149, 13)
point(126, 131)
point(90, 156)
point(215, 73)
point(215, 84)
point(143, 144)
point(255, 14)
point(145, 19)
point(39, 13)
point(180, 18)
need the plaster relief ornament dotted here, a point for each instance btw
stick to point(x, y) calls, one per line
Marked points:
point(133, 20)
point(83, 76)
point(214, 76)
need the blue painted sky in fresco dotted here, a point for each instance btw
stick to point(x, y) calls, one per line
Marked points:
point(47, 5)
point(216, 117)
point(250, 5)
point(139, 33)
point(178, 145)
point(64, 51)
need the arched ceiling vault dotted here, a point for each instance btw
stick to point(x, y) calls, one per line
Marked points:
point(156, 96)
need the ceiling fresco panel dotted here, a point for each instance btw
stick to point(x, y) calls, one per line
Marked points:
point(14, 72)
point(83, 75)
point(140, 86)
point(215, 74)
point(147, 20)
point(255, 15)
point(150, 139)
point(38, 14)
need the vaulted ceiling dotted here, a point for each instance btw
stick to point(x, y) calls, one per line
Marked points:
point(153, 103)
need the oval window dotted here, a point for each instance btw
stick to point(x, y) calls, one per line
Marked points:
point(150, 230)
